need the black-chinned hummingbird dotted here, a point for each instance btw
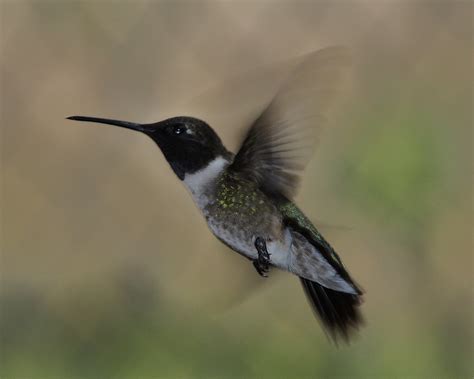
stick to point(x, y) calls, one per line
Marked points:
point(246, 198)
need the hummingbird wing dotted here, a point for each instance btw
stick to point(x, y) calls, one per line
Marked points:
point(332, 293)
point(280, 141)
point(321, 262)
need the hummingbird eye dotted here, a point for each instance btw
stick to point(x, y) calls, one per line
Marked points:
point(179, 129)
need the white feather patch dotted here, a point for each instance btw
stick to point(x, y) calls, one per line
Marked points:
point(198, 183)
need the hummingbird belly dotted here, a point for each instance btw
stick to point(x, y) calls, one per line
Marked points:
point(240, 214)
point(242, 240)
point(237, 212)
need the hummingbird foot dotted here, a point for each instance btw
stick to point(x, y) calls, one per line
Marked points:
point(262, 263)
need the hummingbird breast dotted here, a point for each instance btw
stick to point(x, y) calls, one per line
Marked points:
point(238, 212)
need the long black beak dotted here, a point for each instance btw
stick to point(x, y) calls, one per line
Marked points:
point(122, 124)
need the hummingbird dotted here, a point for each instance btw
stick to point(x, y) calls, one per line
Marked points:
point(247, 198)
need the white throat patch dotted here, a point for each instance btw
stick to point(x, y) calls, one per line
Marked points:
point(198, 182)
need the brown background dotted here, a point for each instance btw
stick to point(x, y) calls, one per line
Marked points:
point(107, 268)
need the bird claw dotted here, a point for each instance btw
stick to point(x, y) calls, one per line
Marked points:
point(262, 263)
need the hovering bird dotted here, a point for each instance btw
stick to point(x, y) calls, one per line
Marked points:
point(247, 198)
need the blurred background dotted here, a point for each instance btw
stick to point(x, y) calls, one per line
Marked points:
point(108, 269)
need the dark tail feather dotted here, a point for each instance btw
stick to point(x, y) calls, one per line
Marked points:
point(338, 311)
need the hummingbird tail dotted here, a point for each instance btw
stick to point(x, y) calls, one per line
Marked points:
point(338, 311)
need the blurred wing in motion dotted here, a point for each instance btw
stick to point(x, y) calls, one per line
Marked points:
point(279, 143)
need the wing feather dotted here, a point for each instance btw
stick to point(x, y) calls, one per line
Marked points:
point(279, 143)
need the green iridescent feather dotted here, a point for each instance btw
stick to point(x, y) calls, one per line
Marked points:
point(293, 216)
point(240, 195)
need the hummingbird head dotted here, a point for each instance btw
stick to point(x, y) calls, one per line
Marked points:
point(188, 144)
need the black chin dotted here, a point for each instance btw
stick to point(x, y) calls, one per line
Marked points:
point(178, 170)
point(187, 158)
